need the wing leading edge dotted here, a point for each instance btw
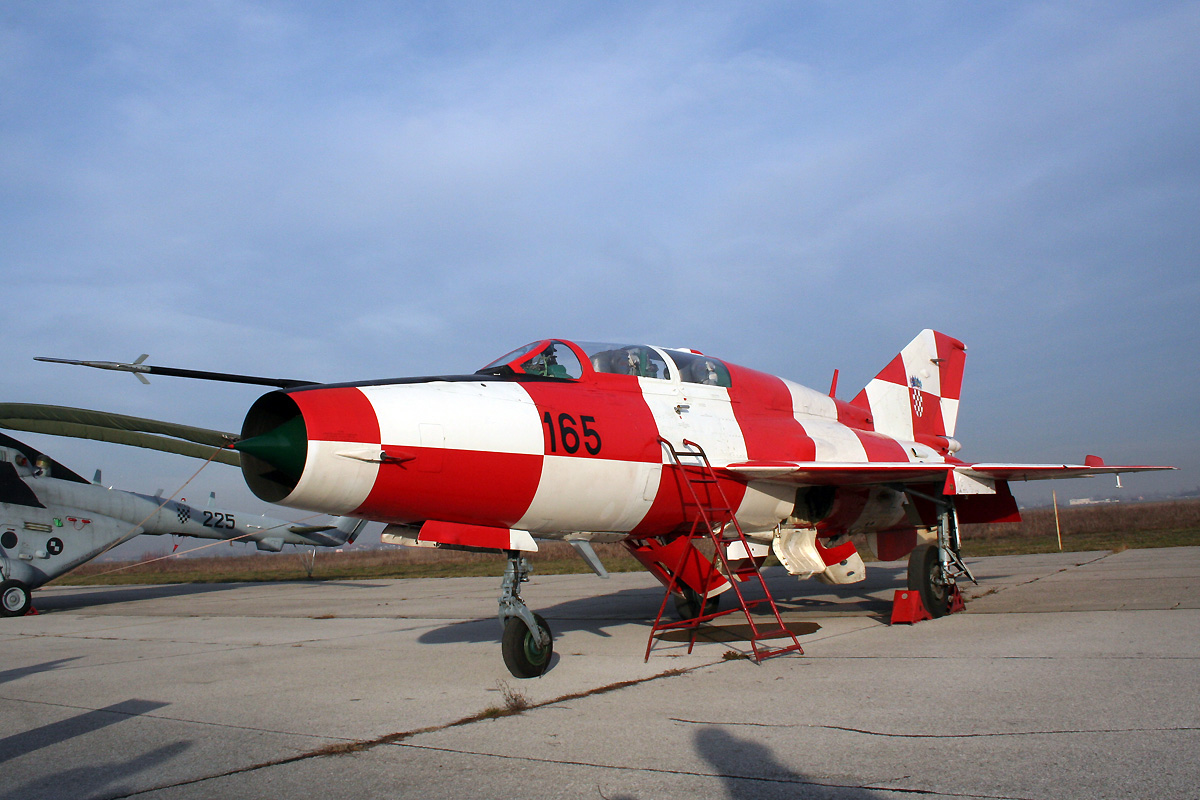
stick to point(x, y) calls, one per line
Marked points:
point(824, 473)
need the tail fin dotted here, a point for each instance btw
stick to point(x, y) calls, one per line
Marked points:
point(345, 531)
point(915, 396)
point(348, 529)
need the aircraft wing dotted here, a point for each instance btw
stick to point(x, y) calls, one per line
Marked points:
point(825, 473)
point(830, 473)
point(1042, 472)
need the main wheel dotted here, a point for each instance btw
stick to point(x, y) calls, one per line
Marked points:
point(14, 599)
point(925, 576)
point(687, 604)
point(522, 655)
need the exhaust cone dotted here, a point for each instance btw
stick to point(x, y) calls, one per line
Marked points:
point(285, 448)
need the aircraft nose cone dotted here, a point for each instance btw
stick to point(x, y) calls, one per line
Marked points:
point(285, 447)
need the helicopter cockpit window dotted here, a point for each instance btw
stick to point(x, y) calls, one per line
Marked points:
point(556, 360)
point(623, 359)
point(696, 368)
point(24, 468)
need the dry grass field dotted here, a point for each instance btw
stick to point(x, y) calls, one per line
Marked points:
point(1101, 527)
point(1114, 526)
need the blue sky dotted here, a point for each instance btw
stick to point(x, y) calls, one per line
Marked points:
point(364, 190)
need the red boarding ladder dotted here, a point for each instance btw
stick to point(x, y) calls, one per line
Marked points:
point(715, 519)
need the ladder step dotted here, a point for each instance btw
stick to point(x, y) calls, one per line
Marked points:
point(715, 513)
point(773, 633)
point(778, 651)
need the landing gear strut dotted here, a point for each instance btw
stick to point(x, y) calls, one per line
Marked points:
point(934, 568)
point(527, 645)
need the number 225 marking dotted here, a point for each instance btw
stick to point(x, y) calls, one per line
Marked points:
point(568, 436)
point(218, 520)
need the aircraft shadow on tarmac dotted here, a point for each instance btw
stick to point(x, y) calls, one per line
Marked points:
point(98, 779)
point(52, 733)
point(872, 595)
point(33, 669)
point(102, 596)
point(109, 595)
point(594, 614)
point(749, 770)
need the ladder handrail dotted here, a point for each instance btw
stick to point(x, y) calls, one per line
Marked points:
point(673, 579)
point(719, 538)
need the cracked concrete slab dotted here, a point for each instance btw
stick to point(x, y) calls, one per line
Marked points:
point(1070, 676)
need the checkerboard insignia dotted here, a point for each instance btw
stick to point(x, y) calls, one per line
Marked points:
point(918, 399)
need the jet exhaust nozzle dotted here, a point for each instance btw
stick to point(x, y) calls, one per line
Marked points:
point(274, 447)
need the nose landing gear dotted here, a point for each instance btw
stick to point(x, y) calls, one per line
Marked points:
point(527, 645)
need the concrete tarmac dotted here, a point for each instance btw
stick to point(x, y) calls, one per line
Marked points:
point(1069, 676)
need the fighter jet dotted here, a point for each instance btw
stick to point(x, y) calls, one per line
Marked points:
point(52, 521)
point(657, 448)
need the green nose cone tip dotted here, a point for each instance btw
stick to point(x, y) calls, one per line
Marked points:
point(284, 447)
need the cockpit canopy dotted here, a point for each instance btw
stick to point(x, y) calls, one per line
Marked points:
point(556, 358)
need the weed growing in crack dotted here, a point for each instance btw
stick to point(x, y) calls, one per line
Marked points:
point(514, 700)
point(734, 655)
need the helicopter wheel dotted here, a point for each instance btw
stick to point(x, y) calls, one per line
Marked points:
point(15, 600)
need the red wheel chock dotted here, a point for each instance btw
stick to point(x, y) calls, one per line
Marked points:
point(957, 603)
point(907, 607)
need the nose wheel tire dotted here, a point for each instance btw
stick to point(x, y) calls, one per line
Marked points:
point(522, 655)
point(926, 577)
point(14, 599)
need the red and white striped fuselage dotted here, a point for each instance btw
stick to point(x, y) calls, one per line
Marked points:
point(556, 452)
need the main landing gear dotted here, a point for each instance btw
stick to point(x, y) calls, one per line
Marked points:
point(935, 567)
point(689, 606)
point(527, 644)
point(15, 599)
